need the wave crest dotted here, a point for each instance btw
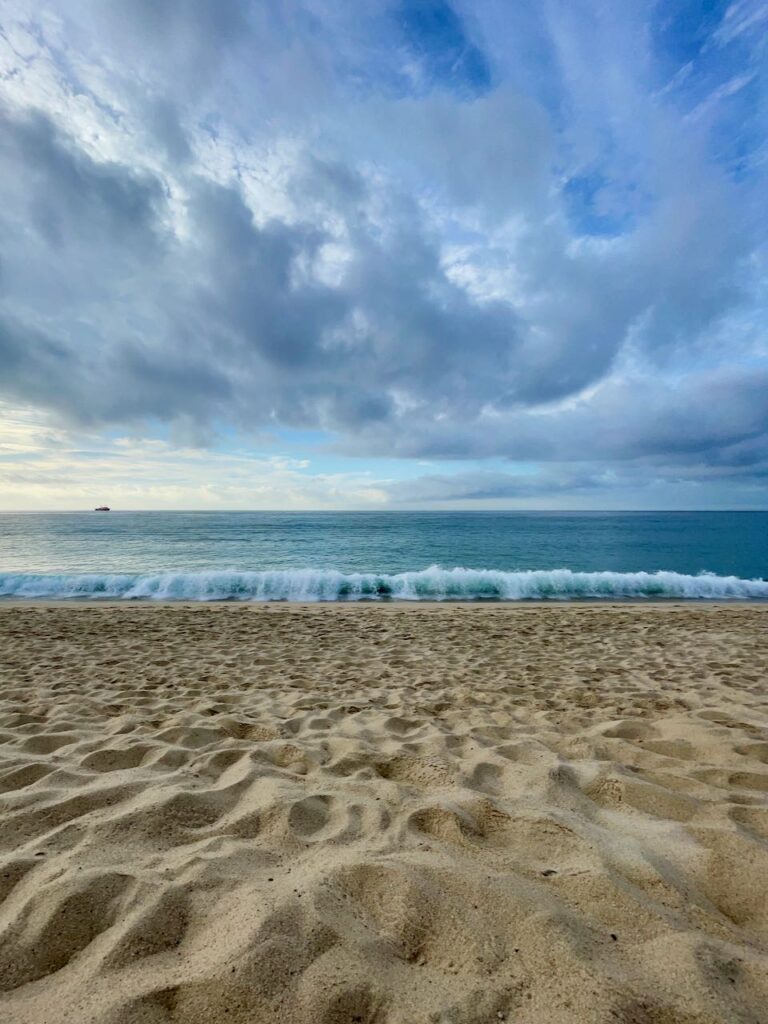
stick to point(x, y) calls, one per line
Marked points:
point(432, 584)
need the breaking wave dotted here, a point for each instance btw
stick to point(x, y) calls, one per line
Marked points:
point(433, 584)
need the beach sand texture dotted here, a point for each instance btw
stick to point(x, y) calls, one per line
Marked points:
point(383, 814)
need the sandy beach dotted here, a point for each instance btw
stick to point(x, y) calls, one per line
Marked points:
point(383, 814)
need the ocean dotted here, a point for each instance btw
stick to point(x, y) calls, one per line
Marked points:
point(335, 556)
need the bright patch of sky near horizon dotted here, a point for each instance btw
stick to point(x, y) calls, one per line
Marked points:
point(323, 254)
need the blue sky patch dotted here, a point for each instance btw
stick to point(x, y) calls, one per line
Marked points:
point(437, 37)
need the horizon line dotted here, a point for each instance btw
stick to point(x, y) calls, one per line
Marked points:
point(372, 511)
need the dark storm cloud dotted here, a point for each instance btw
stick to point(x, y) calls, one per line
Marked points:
point(240, 214)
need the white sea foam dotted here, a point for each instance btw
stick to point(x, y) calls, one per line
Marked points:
point(432, 584)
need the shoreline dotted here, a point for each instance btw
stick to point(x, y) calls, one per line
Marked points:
point(448, 813)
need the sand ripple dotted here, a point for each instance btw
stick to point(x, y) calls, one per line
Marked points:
point(383, 815)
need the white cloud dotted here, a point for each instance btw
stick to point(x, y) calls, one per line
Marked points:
point(41, 468)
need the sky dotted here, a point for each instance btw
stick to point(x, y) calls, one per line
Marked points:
point(393, 254)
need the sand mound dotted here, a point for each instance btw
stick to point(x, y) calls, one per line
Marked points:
point(383, 815)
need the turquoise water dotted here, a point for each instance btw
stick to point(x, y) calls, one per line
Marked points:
point(408, 555)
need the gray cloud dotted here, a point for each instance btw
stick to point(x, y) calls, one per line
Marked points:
point(707, 413)
point(260, 227)
point(71, 197)
point(482, 485)
point(226, 313)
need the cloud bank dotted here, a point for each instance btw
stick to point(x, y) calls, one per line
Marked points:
point(426, 230)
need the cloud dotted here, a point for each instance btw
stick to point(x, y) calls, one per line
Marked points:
point(480, 485)
point(700, 417)
point(71, 196)
point(224, 311)
point(391, 224)
point(41, 468)
point(741, 16)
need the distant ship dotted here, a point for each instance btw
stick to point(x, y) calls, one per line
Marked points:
point(102, 508)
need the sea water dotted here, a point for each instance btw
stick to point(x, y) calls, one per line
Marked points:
point(333, 556)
